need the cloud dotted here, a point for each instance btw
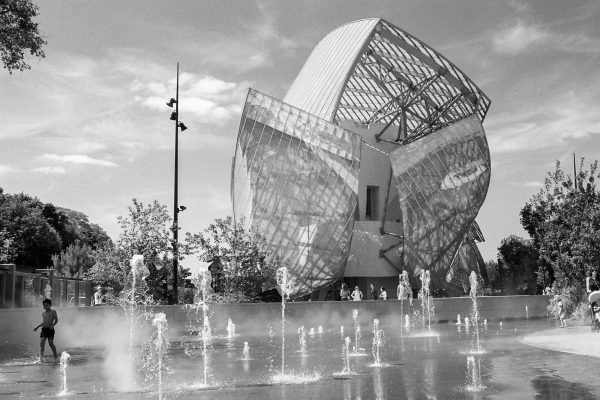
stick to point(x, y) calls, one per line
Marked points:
point(524, 36)
point(79, 159)
point(530, 184)
point(518, 38)
point(6, 169)
point(206, 99)
point(50, 170)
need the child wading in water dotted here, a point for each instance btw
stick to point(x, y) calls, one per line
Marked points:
point(49, 320)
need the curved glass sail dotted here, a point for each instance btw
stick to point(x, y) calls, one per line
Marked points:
point(295, 178)
point(442, 180)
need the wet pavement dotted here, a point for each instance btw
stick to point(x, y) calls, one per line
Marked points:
point(417, 365)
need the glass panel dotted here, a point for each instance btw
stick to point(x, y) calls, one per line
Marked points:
point(71, 293)
point(442, 187)
point(292, 190)
point(18, 291)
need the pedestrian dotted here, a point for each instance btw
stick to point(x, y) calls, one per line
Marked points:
point(357, 295)
point(591, 283)
point(49, 320)
point(98, 296)
point(374, 294)
point(560, 309)
point(382, 294)
point(344, 292)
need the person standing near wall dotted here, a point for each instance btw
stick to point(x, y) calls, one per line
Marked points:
point(383, 294)
point(344, 292)
point(357, 295)
point(373, 295)
point(591, 282)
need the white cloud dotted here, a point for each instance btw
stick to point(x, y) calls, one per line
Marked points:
point(79, 159)
point(517, 38)
point(541, 122)
point(531, 184)
point(209, 100)
point(6, 169)
point(50, 170)
point(523, 36)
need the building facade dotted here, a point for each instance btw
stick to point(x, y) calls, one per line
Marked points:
point(375, 162)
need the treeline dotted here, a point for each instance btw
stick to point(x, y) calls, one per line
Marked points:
point(563, 221)
point(41, 235)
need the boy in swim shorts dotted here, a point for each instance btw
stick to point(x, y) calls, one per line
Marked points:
point(49, 320)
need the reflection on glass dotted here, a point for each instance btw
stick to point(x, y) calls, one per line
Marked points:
point(295, 178)
point(442, 180)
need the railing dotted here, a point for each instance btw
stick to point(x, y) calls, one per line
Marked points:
point(20, 289)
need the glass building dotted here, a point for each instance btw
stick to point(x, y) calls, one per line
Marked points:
point(375, 162)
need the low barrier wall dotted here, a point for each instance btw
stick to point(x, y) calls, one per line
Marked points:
point(79, 326)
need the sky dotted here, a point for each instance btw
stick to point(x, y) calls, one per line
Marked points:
point(87, 127)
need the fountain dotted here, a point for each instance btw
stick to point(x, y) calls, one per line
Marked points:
point(346, 356)
point(526, 313)
point(246, 352)
point(342, 330)
point(202, 294)
point(467, 324)
point(320, 329)
point(155, 353)
point(404, 291)
point(302, 339)
point(474, 375)
point(230, 329)
point(475, 312)
point(425, 296)
point(377, 343)
point(138, 274)
point(458, 319)
point(285, 285)
point(64, 366)
point(406, 321)
point(358, 351)
point(311, 332)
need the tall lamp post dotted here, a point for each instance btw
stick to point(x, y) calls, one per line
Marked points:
point(176, 207)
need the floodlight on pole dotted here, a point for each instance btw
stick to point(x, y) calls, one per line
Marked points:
point(176, 207)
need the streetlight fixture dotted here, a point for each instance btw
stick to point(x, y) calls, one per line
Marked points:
point(176, 207)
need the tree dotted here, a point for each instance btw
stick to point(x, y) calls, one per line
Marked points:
point(146, 231)
point(19, 34)
point(518, 264)
point(74, 261)
point(34, 231)
point(108, 270)
point(563, 220)
point(8, 252)
point(494, 275)
point(246, 267)
point(33, 238)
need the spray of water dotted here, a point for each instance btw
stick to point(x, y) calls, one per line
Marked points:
point(285, 284)
point(475, 312)
point(230, 329)
point(302, 339)
point(377, 342)
point(64, 366)
point(356, 331)
point(346, 356)
point(426, 302)
point(246, 352)
point(155, 353)
point(474, 375)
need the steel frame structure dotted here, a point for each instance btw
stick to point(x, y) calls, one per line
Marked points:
point(374, 74)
